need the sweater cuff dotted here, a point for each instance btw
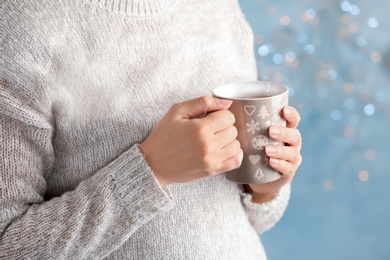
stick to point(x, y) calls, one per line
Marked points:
point(137, 187)
point(264, 216)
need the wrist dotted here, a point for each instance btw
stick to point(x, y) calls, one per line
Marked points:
point(262, 197)
point(162, 182)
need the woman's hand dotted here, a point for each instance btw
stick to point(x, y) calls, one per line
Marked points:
point(184, 146)
point(284, 159)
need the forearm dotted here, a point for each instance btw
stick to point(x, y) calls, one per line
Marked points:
point(88, 222)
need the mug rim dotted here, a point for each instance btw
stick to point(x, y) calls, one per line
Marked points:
point(239, 85)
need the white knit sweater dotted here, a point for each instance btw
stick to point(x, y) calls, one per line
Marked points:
point(82, 84)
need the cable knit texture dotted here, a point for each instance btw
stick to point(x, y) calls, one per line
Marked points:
point(83, 82)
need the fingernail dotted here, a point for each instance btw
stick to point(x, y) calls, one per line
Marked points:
point(287, 111)
point(274, 161)
point(275, 131)
point(224, 102)
point(270, 150)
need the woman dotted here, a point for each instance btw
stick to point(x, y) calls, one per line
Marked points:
point(104, 154)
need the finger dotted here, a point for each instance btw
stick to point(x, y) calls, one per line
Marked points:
point(199, 106)
point(292, 116)
point(219, 120)
point(226, 136)
point(286, 153)
point(229, 150)
point(290, 136)
point(287, 169)
point(232, 162)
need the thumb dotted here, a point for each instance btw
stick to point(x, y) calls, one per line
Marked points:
point(202, 105)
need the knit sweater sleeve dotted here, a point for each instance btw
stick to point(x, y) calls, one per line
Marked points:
point(263, 216)
point(89, 222)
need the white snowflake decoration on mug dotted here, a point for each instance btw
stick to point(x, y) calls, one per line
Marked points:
point(259, 142)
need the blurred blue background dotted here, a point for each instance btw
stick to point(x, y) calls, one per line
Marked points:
point(335, 57)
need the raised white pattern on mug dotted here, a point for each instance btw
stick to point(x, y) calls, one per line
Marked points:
point(259, 142)
point(259, 174)
point(249, 109)
point(277, 112)
point(263, 113)
point(254, 158)
point(253, 126)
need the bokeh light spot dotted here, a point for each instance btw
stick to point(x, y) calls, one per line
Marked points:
point(353, 119)
point(372, 23)
point(328, 185)
point(361, 41)
point(369, 109)
point(363, 175)
point(379, 96)
point(289, 56)
point(355, 10)
point(258, 39)
point(376, 56)
point(278, 77)
point(322, 75)
point(332, 74)
point(343, 32)
point(310, 14)
point(302, 38)
point(271, 9)
point(370, 154)
point(277, 58)
point(345, 6)
point(349, 132)
point(349, 88)
point(344, 19)
point(285, 20)
point(309, 49)
point(353, 27)
point(264, 50)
